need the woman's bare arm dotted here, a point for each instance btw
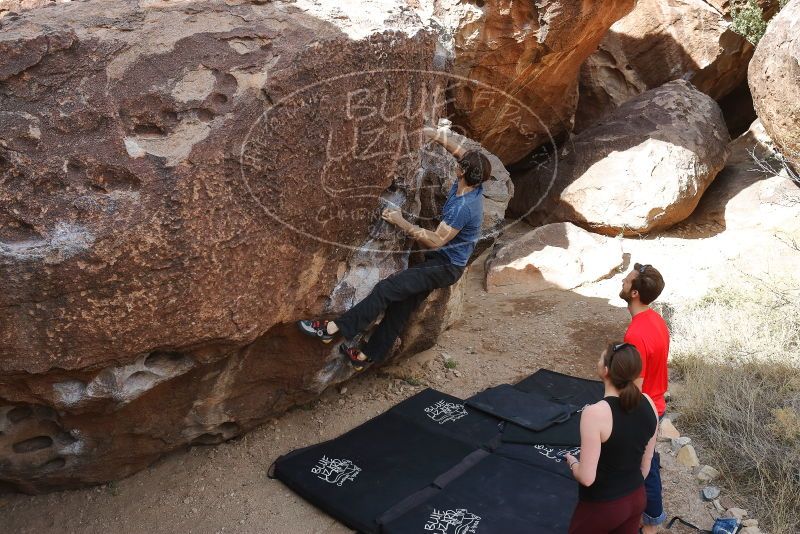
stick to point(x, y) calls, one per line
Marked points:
point(651, 445)
point(585, 471)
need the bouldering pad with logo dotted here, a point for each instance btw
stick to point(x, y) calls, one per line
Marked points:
point(359, 475)
point(496, 495)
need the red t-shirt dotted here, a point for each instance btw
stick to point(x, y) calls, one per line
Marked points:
point(648, 333)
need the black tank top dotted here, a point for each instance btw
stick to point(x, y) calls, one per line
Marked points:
point(619, 467)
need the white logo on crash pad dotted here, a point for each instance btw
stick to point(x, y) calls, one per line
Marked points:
point(444, 411)
point(458, 521)
point(335, 471)
point(555, 453)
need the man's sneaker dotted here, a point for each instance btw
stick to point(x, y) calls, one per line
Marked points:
point(351, 353)
point(317, 329)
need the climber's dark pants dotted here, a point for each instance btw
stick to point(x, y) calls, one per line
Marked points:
point(396, 296)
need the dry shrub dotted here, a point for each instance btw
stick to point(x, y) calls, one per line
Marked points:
point(737, 355)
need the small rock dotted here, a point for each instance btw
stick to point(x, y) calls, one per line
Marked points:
point(688, 457)
point(667, 431)
point(750, 523)
point(672, 416)
point(457, 373)
point(707, 474)
point(710, 493)
point(738, 513)
point(680, 442)
point(750, 530)
point(718, 506)
point(342, 390)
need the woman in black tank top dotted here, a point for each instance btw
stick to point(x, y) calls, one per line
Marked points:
point(618, 436)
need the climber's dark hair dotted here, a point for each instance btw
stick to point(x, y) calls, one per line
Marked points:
point(476, 167)
point(648, 282)
point(624, 366)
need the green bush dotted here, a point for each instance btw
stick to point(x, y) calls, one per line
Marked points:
point(748, 21)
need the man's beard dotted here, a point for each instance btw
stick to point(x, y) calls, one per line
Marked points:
point(625, 296)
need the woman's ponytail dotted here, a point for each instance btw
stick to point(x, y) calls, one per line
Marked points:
point(624, 367)
point(629, 396)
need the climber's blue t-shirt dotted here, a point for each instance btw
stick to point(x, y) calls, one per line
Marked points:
point(463, 213)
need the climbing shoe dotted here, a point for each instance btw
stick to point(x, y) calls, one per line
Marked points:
point(351, 353)
point(317, 329)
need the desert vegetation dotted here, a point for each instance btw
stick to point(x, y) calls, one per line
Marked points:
point(736, 353)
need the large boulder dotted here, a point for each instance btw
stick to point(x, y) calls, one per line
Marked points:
point(181, 182)
point(557, 255)
point(660, 41)
point(519, 61)
point(774, 78)
point(642, 169)
point(753, 191)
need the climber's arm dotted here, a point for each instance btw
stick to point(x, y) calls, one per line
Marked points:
point(447, 139)
point(426, 238)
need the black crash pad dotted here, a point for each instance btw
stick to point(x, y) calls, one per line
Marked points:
point(447, 415)
point(563, 388)
point(359, 475)
point(496, 495)
point(432, 462)
point(548, 457)
point(567, 434)
point(532, 410)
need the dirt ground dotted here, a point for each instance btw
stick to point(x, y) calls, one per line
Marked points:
point(500, 338)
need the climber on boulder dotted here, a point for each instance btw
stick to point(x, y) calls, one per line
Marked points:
point(398, 295)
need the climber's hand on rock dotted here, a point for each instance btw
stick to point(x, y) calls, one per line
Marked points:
point(444, 136)
point(392, 215)
point(436, 134)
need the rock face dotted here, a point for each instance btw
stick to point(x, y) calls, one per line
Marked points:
point(774, 78)
point(18, 6)
point(179, 183)
point(642, 169)
point(660, 41)
point(744, 196)
point(520, 62)
point(559, 255)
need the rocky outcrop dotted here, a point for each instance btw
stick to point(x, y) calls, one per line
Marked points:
point(558, 255)
point(753, 191)
point(774, 78)
point(18, 6)
point(642, 169)
point(519, 61)
point(657, 42)
point(179, 183)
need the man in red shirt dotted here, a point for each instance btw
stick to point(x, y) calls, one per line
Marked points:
point(649, 334)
